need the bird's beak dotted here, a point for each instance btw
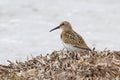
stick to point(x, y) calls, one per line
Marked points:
point(55, 28)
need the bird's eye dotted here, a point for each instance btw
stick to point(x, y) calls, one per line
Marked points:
point(62, 24)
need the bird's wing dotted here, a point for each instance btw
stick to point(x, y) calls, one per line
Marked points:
point(81, 40)
point(69, 38)
point(74, 39)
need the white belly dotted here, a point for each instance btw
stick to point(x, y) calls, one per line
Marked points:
point(70, 47)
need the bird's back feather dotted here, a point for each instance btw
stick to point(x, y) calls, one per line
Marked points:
point(71, 37)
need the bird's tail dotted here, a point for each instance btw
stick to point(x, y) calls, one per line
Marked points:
point(83, 48)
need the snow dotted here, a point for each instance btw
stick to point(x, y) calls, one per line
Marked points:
point(25, 25)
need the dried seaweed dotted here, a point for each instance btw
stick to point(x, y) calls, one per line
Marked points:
point(65, 65)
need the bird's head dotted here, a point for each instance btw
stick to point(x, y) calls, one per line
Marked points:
point(65, 26)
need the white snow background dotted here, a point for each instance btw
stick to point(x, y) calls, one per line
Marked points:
point(25, 25)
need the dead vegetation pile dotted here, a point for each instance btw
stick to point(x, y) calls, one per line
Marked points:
point(64, 65)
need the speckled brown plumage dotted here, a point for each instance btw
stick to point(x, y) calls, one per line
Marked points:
point(71, 38)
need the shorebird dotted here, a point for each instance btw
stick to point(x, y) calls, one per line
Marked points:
point(72, 41)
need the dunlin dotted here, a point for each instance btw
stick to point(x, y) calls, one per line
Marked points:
point(71, 40)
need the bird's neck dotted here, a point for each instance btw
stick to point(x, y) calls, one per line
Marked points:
point(68, 30)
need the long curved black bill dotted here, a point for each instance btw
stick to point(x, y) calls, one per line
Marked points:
point(54, 28)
